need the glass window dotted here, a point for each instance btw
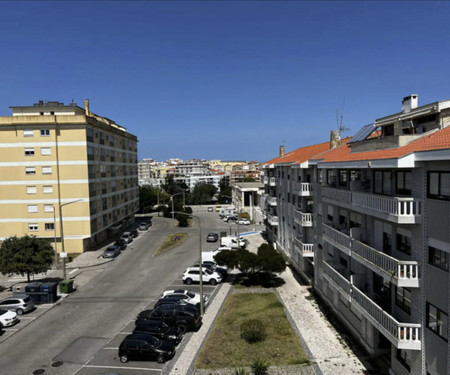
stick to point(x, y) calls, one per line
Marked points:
point(403, 244)
point(403, 299)
point(32, 208)
point(31, 189)
point(48, 208)
point(30, 170)
point(46, 151)
point(45, 132)
point(437, 321)
point(33, 227)
point(439, 185)
point(438, 258)
point(47, 189)
point(403, 182)
point(29, 151)
point(46, 170)
point(49, 226)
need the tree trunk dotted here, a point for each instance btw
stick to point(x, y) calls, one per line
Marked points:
point(28, 276)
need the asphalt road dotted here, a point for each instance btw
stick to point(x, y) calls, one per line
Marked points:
point(88, 323)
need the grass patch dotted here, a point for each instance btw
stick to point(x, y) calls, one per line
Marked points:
point(224, 347)
point(172, 241)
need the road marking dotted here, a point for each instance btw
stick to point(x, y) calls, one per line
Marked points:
point(75, 270)
point(10, 329)
point(126, 368)
point(111, 348)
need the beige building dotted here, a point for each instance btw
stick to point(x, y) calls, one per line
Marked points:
point(62, 160)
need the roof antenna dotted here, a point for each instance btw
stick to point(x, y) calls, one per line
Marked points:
point(339, 121)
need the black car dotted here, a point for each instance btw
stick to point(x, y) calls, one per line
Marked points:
point(212, 237)
point(134, 233)
point(185, 318)
point(121, 244)
point(160, 330)
point(173, 301)
point(142, 346)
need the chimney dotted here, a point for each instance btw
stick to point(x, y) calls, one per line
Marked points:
point(409, 103)
point(335, 139)
point(282, 152)
point(86, 107)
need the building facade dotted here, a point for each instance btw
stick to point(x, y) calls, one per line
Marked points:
point(380, 222)
point(64, 162)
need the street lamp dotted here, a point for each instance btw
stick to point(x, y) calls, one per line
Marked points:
point(237, 222)
point(63, 252)
point(173, 213)
point(201, 258)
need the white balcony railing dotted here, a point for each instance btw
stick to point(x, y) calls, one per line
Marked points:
point(306, 249)
point(343, 285)
point(272, 181)
point(305, 189)
point(272, 201)
point(266, 180)
point(402, 335)
point(303, 219)
point(402, 273)
point(273, 220)
point(400, 210)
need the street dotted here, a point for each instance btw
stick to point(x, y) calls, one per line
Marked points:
point(81, 334)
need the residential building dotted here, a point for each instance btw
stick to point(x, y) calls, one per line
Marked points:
point(245, 198)
point(63, 161)
point(381, 223)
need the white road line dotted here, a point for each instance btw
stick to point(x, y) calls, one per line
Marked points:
point(110, 348)
point(126, 368)
point(10, 329)
point(75, 270)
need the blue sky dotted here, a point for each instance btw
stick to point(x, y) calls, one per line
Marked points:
point(229, 80)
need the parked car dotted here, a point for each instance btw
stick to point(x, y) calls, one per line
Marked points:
point(229, 219)
point(181, 317)
point(145, 225)
point(212, 237)
point(8, 318)
point(160, 330)
point(127, 237)
point(232, 242)
point(243, 221)
point(213, 266)
point(134, 233)
point(142, 346)
point(209, 255)
point(192, 274)
point(210, 209)
point(172, 301)
point(20, 303)
point(186, 295)
point(121, 244)
point(111, 252)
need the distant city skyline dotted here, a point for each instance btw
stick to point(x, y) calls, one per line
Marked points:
point(225, 80)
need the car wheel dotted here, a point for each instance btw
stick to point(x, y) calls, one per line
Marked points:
point(19, 311)
point(124, 358)
point(188, 281)
point(213, 281)
point(181, 328)
point(160, 359)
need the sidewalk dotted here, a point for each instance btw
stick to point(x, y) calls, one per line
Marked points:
point(326, 348)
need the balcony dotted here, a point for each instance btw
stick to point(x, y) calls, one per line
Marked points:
point(272, 201)
point(402, 335)
point(402, 273)
point(273, 220)
point(303, 218)
point(266, 180)
point(306, 249)
point(305, 189)
point(399, 210)
point(272, 181)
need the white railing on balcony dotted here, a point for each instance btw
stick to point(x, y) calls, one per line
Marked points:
point(303, 219)
point(272, 181)
point(343, 196)
point(266, 180)
point(402, 335)
point(306, 249)
point(338, 237)
point(272, 201)
point(305, 189)
point(403, 273)
point(338, 279)
point(273, 220)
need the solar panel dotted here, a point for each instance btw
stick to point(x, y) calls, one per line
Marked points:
point(363, 133)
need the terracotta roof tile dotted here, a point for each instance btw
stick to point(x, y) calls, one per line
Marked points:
point(301, 154)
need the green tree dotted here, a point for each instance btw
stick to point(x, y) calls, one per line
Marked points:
point(270, 260)
point(224, 190)
point(25, 255)
point(202, 194)
point(148, 197)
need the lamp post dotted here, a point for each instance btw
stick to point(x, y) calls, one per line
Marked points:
point(200, 260)
point(54, 232)
point(63, 252)
point(237, 222)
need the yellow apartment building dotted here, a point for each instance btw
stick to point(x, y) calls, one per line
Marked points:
point(63, 161)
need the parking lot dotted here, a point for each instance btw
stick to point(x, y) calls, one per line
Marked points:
point(106, 360)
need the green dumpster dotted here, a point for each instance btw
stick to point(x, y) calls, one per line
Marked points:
point(66, 286)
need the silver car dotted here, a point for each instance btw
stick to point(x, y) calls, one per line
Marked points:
point(20, 303)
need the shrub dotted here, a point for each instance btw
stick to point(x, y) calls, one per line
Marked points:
point(253, 330)
point(259, 367)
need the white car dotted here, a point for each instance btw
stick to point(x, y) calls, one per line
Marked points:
point(8, 318)
point(244, 221)
point(208, 256)
point(192, 274)
point(187, 295)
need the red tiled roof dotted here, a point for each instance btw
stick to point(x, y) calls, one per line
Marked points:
point(301, 154)
point(439, 140)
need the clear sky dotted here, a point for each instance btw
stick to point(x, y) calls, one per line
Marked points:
point(229, 80)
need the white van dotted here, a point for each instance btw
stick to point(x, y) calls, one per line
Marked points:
point(227, 211)
point(208, 256)
point(232, 242)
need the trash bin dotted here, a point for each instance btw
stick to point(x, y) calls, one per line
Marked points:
point(49, 292)
point(66, 286)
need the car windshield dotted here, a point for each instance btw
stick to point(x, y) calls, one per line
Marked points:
point(190, 294)
point(208, 271)
point(2, 311)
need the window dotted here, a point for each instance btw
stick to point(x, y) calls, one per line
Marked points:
point(439, 185)
point(46, 170)
point(48, 208)
point(47, 189)
point(31, 189)
point(383, 181)
point(331, 177)
point(49, 226)
point(355, 175)
point(30, 170)
point(403, 182)
point(33, 227)
point(29, 151)
point(32, 208)
point(45, 132)
point(342, 178)
point(46, 151)
point(404, 357)
point(404, 244)
point(438, 258)
point(28, 133)
point(437, 321)
point(403, 299)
